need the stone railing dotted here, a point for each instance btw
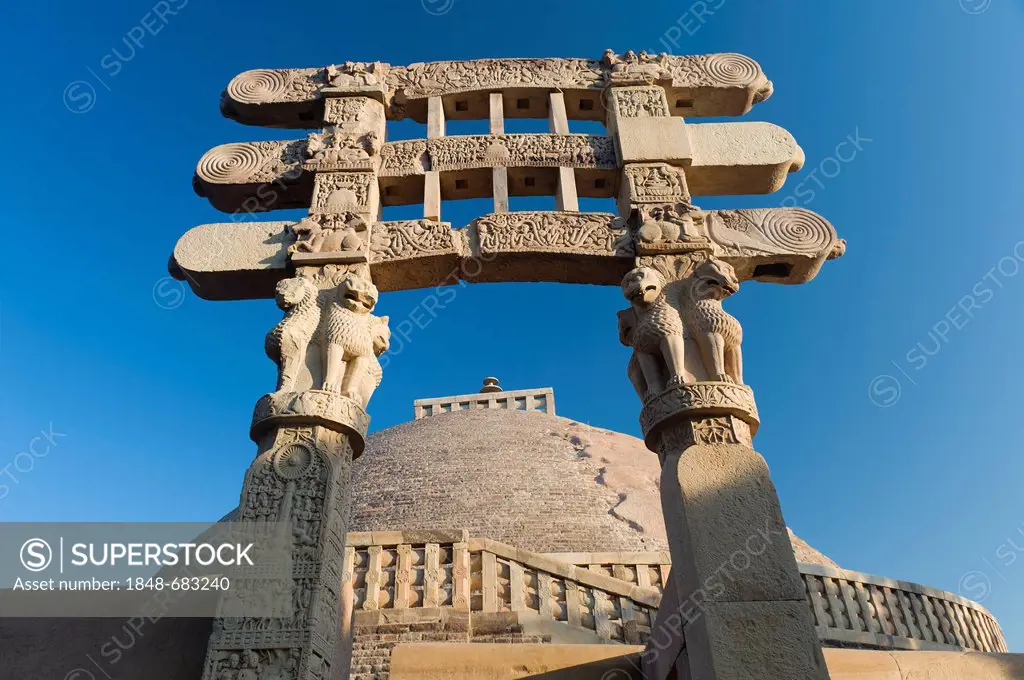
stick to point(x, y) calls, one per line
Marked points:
point(518, 400)
point(447, 569)
point(617, 595)
point(901, 615)
point(644, 569)
point(851, 608)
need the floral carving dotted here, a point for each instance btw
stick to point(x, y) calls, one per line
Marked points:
point(639, 102)
point(589, 151)
point(553, 232)
point(703, 398)
point(397, 240)
point(447, 77)
point(403, 158)
point(311, 407)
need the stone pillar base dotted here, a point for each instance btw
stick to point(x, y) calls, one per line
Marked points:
point(754, 641)
point(739, 589)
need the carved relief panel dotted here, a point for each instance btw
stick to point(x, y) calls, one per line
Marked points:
point(654, 183)
point(639, 102)
point(340, 192)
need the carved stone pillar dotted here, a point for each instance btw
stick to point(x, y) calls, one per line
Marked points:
point(311, 428)
point(743, 600)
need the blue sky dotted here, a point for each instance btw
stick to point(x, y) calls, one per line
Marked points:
point(152, 392)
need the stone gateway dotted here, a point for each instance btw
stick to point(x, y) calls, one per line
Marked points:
point(407, 553)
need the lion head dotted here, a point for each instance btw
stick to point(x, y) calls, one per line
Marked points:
point(642, 285)
point(381, 336)
point(292, 292)
point(715, 280)
point(357, 294)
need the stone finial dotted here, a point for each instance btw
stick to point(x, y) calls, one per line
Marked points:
point(491, 385)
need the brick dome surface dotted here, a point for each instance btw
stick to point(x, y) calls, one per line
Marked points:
point(539, 482)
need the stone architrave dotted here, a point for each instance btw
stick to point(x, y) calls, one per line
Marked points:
point(721, 158)
point(780, 245)
point(723, 84)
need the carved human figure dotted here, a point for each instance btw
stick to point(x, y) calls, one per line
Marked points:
point(353, 339)
point(354, 74)
point(336, 146)
point(230, 670)
point(286, 343)
point(251, 666)
point(717, 333)
point(652, 326)
point(632, 65)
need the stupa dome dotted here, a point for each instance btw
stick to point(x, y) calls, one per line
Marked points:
point(537, 481)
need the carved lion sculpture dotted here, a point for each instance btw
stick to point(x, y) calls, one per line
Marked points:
point(286, 343)
point(654, 329)
point(353, 339)
point(717, 333)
